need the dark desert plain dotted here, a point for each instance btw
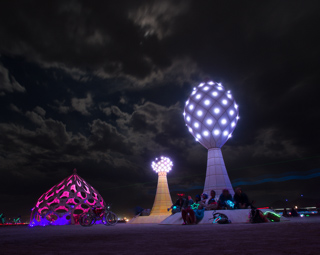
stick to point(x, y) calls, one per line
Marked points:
point(297, 236)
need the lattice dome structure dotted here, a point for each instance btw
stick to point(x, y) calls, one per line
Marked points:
point(65, 202)
point(211, 115)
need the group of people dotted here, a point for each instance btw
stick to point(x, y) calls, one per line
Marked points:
point(193, 210)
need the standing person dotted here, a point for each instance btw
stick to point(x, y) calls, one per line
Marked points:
point(241, 200)
point(224, 199)
point(294, 213)
point(212, 203)
point(187, 213)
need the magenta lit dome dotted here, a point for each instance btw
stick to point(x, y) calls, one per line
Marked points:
point(64, 202)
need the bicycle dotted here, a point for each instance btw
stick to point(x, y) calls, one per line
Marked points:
point(111, 218)
point(108, 218)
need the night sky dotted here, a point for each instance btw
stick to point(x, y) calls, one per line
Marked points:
point(100, 86)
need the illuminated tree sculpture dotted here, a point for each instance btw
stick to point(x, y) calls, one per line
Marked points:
point(163, 200)
point(211, 115)
point(64, 202)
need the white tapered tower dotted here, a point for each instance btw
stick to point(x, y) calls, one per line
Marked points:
point(162, 200)
point(211, 115)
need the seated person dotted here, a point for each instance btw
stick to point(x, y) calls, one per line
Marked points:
point(212, 203)
point(204, 200)
point(225, 200)
point(241, 200)
point(178, 205)
point(198, 209)
point(188, 201)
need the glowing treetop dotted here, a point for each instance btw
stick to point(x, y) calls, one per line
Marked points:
point(162, 164)
point(211, 114)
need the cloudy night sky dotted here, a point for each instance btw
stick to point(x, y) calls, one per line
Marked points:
point(101, 85)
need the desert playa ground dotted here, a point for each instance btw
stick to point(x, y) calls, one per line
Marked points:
point(299, 236)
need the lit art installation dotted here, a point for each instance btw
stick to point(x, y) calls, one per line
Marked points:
point(65, 202)
point(211, 114)
point(163, 201)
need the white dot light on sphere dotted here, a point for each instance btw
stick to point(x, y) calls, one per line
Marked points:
point(205, 133)
point(209, 110)
point(216, 132)
point(207, 102)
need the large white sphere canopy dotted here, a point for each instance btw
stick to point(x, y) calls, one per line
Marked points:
point(211, 114)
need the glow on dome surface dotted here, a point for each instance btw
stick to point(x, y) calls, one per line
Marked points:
point(162, 164)
point(211, 114)
point(64, 202)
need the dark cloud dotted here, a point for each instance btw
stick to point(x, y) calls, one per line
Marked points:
point(8, 83)
point(101, 86)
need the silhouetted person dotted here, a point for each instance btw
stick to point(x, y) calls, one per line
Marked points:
point(187, 213)
point(241, 200)
point(294, 213)
point(224, 197)
point(178, 205)
point(212, 203)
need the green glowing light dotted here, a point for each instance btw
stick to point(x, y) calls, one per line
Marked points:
point(194, 206)
point(273, 213)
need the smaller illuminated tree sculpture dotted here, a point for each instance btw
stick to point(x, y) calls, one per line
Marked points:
point(163, 200)
point(211, 114)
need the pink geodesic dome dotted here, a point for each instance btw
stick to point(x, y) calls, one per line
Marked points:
point(66, 201)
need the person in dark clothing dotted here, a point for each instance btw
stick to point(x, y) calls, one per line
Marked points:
point(294, 213)
point(187, 213)
point(224, 198)
point(241, 200)
point(178, 205)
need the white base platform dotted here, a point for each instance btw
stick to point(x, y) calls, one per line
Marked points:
point(235, 216)
point(151, 219)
